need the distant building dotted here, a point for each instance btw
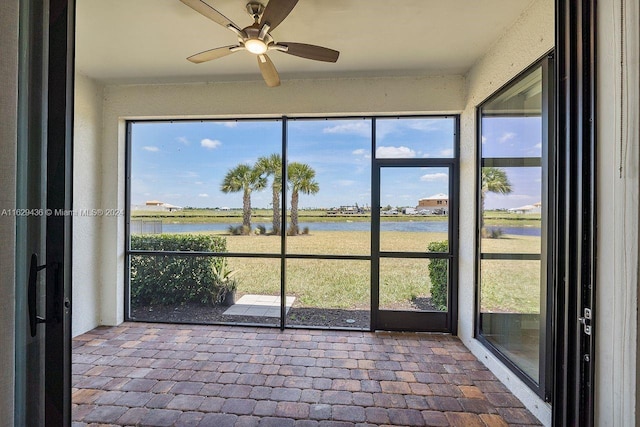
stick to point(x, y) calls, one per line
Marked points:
point(157, 205)
point(535, 208)
point(439, 202)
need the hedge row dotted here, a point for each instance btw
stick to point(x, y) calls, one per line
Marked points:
point(172, 279)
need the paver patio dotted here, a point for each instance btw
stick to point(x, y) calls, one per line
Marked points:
point(185, 375)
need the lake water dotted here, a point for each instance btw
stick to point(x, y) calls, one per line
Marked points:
point(414, 226)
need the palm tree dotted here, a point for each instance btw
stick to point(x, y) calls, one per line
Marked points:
point(494, 180)
point(272, 166)
point(246, 179)
point(301, 179)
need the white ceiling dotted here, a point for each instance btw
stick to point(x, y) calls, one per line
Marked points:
point(139, 41)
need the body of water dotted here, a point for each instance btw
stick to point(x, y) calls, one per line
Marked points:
point(413, 226)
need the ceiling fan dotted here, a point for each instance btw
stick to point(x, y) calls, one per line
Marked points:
point(257, 39)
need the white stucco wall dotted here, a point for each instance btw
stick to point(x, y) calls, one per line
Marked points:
point(528, 40)
point(8, 138)
point(87, 190)
point(616, 322)
point(248, 99)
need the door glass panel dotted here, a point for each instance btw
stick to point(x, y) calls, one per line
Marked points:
point(512, 120)
point(30, 230)
point(411, 284)
point(329, 187)
point(512, 216)
point(207, 178)
point(329, 293)
point(511, 221)
point(510, 306)
point(408, 138)
point(414, 210)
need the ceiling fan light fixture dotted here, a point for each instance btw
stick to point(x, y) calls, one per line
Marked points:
point(256, 46)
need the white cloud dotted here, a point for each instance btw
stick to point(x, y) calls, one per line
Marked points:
point(188, 175)
point(350, 128)
point(210, 143)
point(386, 127)
point(392, 126)
point(183, 140)
point(198, 183)
point(507, 136)
point(447, 153)
point(231, 124)
point(484, 139)
point(427, 125)
point(345, 182)
point(151, 148)
point(361, 152)
point(434, 177)
point(395, 152)
point(203, 195)
point(538, 145)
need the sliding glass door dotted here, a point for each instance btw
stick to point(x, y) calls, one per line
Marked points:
point(514, 224)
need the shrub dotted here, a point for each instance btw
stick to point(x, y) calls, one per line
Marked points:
point(439, 274)
point(235, 230)
point(293, 231)
point(260, 230)
point(495, 233)
point(174, 279)
point(239, 230)
point(305, 230)
point(275, 231)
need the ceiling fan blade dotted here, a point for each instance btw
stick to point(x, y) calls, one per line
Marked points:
point(276, 11)
point(209, 12)
point(310, 51)
point(211, 54)
point(268, 70)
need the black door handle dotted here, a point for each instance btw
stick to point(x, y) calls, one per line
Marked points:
point(32, 294)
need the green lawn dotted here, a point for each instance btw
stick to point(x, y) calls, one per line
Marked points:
point(264, 216)
point(508, 219)
point(507, 286)
point(497, 218)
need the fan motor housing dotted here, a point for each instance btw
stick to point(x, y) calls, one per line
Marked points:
point(255, 9)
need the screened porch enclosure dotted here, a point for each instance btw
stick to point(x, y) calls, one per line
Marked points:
point(331, 223)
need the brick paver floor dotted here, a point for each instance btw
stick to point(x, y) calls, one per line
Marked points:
point(184, 375)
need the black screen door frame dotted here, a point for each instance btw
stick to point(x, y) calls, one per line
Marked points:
point(423, 321)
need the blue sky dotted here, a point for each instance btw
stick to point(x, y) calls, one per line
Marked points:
point(183, 163)
point(514, 137)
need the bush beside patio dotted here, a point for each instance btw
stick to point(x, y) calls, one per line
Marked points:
point(174, 279)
